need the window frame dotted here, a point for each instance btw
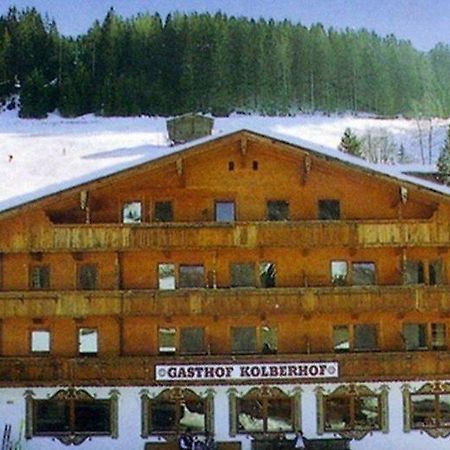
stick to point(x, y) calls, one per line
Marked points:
point(263, 395)
point(352, 268)
point(175, 281)
point(181, 280)
point(223, 202)
point(352, 392)
point(241, 285)
point(155, 215)
point(177, 396)
point(70, 397)
point(352, 337)
point(40, 352)
point(270, 217)
point(435, 389)
point(260, 347)
point(47, 277)
point(79, 283)
point(177, 347)
point(343, 280)
point(97, 342)
point(141, 212)
point(321, 204)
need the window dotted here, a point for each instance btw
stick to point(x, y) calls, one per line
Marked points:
point(435, 270)
point(365, 337)
point(192, 340)
point(242, 275)
point(420, 336)
point(438, 336)
point(414, 272)
point(166, 276)
point(428, 409)
point(243, 339)
point(87, 341)
point(175, 410)
point(72, 416)
point(339, 271)
point(167, 340)
point(224, 212)
point(192, 276)
point(278, 210)
point(40, 341)
point(255, 165)
point(329, 210)
point(231, 166)
point(252, 339)
point(87, 277)
point(132, 212)
point(267, 275)
point(358, 337)
point(40, 277)
point(265, 410)
point(341, 338)
point(269, 340)
point(415, 336)
point(163, 212)
point(363, 273)
point(352, 408)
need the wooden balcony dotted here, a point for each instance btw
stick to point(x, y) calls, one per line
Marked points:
point(304, 235)
point(139, 371)
point(227, 302)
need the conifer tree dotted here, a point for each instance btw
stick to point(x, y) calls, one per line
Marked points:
point(443, 163)
point(350, 143)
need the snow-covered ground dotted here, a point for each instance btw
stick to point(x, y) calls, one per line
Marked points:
point(42, 156)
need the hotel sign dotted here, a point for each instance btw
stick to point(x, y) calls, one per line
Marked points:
point(251, 371)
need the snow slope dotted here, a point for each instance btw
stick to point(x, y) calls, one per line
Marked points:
point(38, 157)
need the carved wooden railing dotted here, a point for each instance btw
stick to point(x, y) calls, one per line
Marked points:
point(305, 235)
point(305, 301)
point(139, 371)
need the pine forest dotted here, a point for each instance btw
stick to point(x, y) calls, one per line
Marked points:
point(215, 64)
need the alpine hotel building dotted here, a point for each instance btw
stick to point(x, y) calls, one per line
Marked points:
point(241, 286)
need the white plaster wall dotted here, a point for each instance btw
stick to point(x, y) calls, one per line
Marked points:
point(12, 411)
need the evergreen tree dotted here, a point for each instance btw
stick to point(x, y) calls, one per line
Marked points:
point(34, 96)
point(350, 143)
point(443, 163)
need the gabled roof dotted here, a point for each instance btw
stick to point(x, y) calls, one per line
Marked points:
point(163, 154)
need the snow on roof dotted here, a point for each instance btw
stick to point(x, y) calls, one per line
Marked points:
point(57, 154)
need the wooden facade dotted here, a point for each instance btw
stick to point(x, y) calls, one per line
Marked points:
point(348, 247)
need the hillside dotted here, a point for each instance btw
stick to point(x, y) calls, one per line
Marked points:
point(41, 156)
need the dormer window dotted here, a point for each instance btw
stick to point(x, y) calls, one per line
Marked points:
point(132, 212)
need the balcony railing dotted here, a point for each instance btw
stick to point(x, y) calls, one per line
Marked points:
point(139, 371)
point(304, 235)
point(227, 302)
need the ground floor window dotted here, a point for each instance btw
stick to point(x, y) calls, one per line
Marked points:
point(72, 416)
point(352, 411)
point(428, 409)
point(173, 411)
point(264, 410)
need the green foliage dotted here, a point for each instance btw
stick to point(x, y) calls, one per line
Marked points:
point(443, 163)
point(218, 64)
point(34, 96)
point(350, 143)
